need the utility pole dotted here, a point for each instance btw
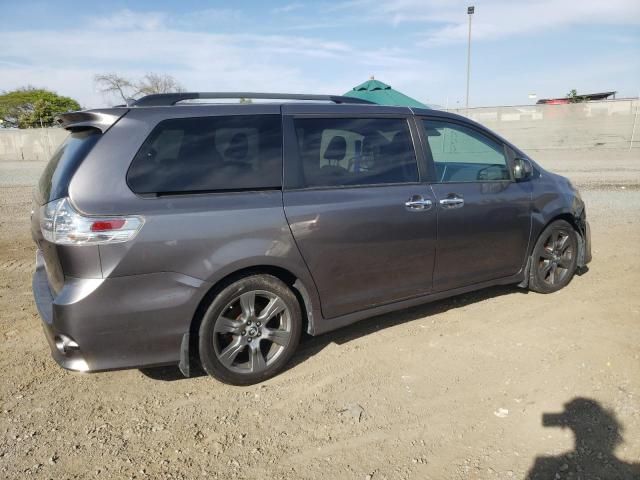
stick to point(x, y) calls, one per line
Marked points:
point(635, 120)
point(470, 12)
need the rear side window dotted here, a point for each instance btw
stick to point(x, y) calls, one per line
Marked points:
point(209, 154)
point(55, 179)
point(355, 151)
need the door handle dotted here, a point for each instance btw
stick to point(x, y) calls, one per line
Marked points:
point(418, 203)
point(452, 202)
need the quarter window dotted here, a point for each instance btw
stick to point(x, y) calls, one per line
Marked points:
point(209, 154)
point(462, 154)
point(355, 151)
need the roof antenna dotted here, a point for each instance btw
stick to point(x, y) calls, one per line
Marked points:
point(372, 77)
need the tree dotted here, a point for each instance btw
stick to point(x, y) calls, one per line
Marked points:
point(573, 97)
point(30, 107)
point(154, 83)
point(114, 84)
point(125, 88)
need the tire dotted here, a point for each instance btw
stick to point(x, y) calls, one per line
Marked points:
point(250, 330)
point(554, 258)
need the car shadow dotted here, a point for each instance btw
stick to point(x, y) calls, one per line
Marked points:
point(171, 373)
point(310, 346)
point(597, 433)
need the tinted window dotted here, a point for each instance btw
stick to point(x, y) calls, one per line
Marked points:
point(348, 151)
point(462, 154)
point(209, 154)
point(54, 182)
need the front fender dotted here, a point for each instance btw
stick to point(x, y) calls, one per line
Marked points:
point(556, 198)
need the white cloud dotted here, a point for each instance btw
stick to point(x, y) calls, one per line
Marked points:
point(206, 19)
point(290, 7)
point(496, 18)
point(210, 18)
point(129, 20)
point(133, 44)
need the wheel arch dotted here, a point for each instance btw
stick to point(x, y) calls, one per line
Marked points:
point(579, 224)
point(573, 220)
point(566, 216)
point(189, 350)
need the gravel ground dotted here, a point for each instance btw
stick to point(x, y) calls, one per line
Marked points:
point(455, 389)
point(594, 168)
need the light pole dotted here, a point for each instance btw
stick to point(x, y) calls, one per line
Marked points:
point(470, 11)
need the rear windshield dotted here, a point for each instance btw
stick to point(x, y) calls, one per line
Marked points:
point(184, 155)
point(54, 182)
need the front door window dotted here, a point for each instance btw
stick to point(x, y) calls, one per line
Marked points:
point(462, 154)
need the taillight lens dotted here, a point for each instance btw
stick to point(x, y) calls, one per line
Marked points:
point(62, 224)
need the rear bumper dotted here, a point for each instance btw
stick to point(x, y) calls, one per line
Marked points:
point(71, 360)
point(114, 323)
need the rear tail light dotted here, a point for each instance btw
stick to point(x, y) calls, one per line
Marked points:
point(62, 224)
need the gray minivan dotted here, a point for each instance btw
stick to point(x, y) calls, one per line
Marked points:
point(174, 231)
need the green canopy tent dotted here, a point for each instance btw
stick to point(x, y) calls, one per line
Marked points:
point(377, 92)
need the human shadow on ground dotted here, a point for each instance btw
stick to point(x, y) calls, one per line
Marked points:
point(310, 346)
point(597, 433)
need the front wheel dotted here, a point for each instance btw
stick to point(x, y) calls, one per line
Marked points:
point(250, 330)
point(554, 258)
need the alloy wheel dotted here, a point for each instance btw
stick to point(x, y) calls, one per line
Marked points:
point(252, 331)
point(556, 258)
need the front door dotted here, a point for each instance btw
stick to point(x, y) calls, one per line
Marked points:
point(483, 214)
point(362, 220)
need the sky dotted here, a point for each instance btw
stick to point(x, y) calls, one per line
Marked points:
point(519, 47)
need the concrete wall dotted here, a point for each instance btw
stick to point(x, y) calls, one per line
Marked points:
point(605, 124)
point(32, 144)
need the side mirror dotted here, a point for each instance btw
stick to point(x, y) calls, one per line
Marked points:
point(522, 169)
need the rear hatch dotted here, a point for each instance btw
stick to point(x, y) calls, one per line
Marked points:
point(86, 129)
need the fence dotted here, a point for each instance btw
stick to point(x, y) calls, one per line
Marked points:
point(606, 124)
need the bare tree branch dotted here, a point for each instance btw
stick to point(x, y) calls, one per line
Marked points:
point(154, 83)
point(125, 88)
point(114, 84)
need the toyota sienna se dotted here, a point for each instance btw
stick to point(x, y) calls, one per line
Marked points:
point(174, 231)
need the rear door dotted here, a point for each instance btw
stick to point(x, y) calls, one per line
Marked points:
point(362, 220)
point(483, 214)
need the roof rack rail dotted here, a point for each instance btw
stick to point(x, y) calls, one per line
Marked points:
point(167, 99)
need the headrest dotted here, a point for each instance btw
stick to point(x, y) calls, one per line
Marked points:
point(399, 143)
point(238, 147)
point(337, 149)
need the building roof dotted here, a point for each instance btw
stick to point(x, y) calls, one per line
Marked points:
point(585, 97)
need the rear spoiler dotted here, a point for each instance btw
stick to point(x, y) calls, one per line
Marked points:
point(102, 119)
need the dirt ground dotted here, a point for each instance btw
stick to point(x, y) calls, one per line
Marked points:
point(455, 389)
